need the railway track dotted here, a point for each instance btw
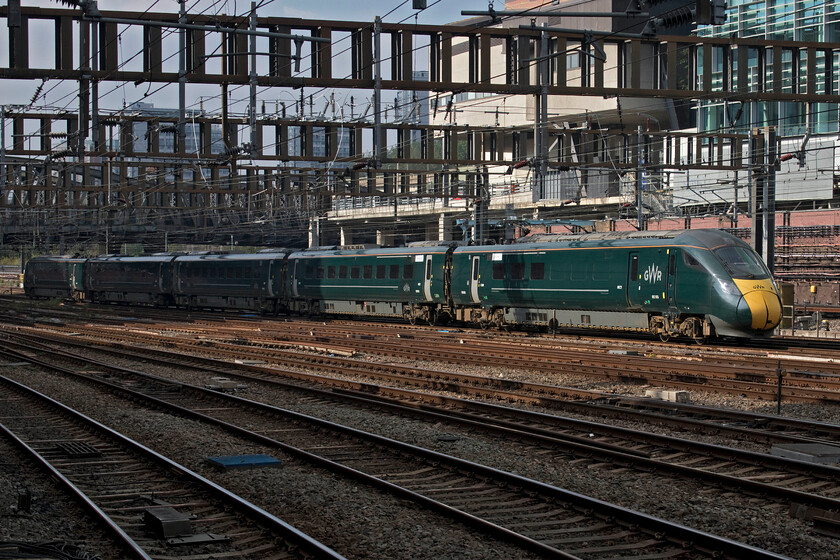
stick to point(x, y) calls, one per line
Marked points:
point(738, 425)
point(732, 374)
point(790, 482)
point(156, 508)
point(534, 515)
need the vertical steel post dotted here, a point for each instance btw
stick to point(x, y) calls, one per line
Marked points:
point(639, 183)
point(377, 93)
point(84, 86)
point(181, 148)
point(2, 150)
point(541, 119)
point(252, 80)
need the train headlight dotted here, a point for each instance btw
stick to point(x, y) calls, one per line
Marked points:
point(728, 287)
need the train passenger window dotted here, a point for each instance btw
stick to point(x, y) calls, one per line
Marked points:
point(212, 273)
point(498, 271)
point(380, 271)
point(408, 271)
point(239, 273)
point(537, 271)
point(330, 272)
point(310, 271)
point(582, 271)
point(634, 267)
point(367, 271)
point(354, 272)
point(320, 272)
point(342, 271)
point(394, 271)
point(246, 273)
point(517, 271)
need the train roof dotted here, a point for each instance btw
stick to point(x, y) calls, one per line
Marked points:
point(389, 251)
point(231, 257)
point(58, 258)
point(129, 259)
point(704, 238)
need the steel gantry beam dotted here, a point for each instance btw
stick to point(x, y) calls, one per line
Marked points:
point(662, 67)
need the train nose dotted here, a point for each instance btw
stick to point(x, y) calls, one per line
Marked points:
point(763, 306)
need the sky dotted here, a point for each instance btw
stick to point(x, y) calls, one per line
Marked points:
point(392, 11)
point(62, 95)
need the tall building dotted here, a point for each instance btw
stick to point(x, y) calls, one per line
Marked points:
point(812, 21)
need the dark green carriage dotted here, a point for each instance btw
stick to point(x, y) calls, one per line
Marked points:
point(231, 281)
point(54, 277)
point(122, 279)
point(397, 282)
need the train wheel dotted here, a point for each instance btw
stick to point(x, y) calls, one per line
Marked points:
point(693, 328)
point(664, 337)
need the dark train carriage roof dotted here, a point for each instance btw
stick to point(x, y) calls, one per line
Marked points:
point(232, 257)
point(704, 238)
point(59, 258)
point(390, 251)
point(129, 260)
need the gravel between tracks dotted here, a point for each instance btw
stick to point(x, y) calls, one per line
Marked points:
point(377, 527)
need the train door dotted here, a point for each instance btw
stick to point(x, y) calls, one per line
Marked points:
point(474, 276)
point(427, 279)
point(293, 277)
point(671, 282)
point(634, 286)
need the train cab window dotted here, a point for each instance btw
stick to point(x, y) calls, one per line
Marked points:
point(320, 272)
point(354, 272)
point(634, 267)
point(475, 269)
point(330, 272)
point(367, 271)
point(428, 269)
point(537, 271)
point(742, 262)
point(380, 271)
point(672, 264)
point(394, 271)
point(498, 271)
point(342, 271)
point(691, 262)
point(408, 271)
point(517, 271)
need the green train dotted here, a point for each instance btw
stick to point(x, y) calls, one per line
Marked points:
point(690, 284)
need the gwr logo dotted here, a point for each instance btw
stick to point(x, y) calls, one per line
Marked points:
point(653, 274)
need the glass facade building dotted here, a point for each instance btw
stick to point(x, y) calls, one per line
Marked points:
point(812, 21)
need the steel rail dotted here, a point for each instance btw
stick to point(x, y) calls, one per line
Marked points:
point(303, 542)
point(800, 497)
